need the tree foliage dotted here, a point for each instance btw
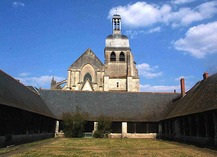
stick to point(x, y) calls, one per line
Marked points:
point(103, 128)
point(74, 123)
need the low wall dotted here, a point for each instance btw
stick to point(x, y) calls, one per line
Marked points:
point(20, 139)
point(136, 135)
point(148, 135)
point(202, 141)
point(114, 135)
point(197, 140)
point(2, 141)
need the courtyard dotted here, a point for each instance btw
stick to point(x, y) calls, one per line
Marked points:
point(91, 147)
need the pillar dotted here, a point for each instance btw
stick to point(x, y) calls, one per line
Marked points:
point(69, 80)
point(57, 128)
point(106, 83)
point(134, 127)
point(177, 130)
point(206, 125)
point(168, 127)
point(124, 129)
point(197, 125)
point(184, 126)
point(160, 129)
point(147, 128)
point(95, 126)
point(165, 126)
point(215, 125)
point(190, 126)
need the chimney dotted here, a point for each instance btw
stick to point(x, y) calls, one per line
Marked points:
point(205, 75)
point(182, 81)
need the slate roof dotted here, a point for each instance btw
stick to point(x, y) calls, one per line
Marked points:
point(120, 106)
point(202, 97)
point(15, 94)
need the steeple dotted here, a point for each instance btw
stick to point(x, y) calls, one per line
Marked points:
point(116, 39)
point(116, 24)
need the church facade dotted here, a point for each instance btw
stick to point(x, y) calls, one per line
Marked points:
point(118, 73)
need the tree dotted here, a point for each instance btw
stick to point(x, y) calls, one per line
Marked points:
point(104, 125)
point(74, 123)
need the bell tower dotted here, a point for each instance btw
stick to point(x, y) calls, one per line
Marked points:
point(120, 69)
point(116, 24)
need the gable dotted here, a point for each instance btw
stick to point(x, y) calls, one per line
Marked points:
point(88, 57)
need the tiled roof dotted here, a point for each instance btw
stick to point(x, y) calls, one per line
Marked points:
point(120, 106)
point(202, 97)
point(15, 94)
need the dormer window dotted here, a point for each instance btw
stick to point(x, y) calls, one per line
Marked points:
point(122, 57)
point(113, 56)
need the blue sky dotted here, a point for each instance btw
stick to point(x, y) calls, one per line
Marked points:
point(169, 39)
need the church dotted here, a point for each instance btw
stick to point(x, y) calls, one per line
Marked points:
point(118, 73)
point(28, 114)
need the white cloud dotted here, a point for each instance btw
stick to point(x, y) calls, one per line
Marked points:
point(24, 74)
point(154, 30)
point(142, 14)
point(181, 1)
point(145, 70)
point(199, 41)
point(185, 77)
point(186, 16)
point(204, 11)
point(208, 9)
point(41, 81)
point(133, 33)
point(160, 88)
point(18, 4)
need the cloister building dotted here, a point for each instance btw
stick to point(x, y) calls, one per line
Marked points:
point(112, 90)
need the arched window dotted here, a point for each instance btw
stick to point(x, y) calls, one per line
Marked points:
point(113, 56)
point(122, 57)
point(87, 77)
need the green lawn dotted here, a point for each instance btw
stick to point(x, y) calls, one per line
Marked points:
point(105, 147)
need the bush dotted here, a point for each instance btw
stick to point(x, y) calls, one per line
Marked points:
point(98, 134)
point(74, 123)
point(103, 128)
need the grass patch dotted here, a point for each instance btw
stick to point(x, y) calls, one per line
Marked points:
point(82, 147)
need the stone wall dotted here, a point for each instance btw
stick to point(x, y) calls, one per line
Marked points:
point(133, 84)
point(117, 84)
point(117, 70)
